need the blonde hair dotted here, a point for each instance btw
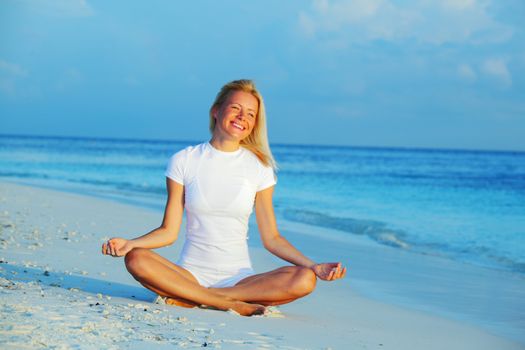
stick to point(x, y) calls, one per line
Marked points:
point(257, 141)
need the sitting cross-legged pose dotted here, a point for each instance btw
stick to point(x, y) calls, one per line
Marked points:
point(219, 183)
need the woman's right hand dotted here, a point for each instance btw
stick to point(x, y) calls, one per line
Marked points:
point(117, 247)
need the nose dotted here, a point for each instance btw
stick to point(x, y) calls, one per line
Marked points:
point(240, 115)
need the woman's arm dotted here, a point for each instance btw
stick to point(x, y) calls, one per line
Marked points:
point(279, 246)
point(164, 235)
point(271, 238)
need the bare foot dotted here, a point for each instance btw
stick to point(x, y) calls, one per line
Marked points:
point(242, 308)
point(247, 309)
point(180, 302)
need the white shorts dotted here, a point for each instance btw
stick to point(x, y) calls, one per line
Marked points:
point(216, 278)
point(216, 265)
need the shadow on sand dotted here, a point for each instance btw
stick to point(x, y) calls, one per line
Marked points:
point(67, 281)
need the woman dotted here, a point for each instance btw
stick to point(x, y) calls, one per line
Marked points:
point(218, 183)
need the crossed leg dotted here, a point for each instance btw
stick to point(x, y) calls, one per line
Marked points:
point(276, 287)
point(165, 278)
point(168, 279)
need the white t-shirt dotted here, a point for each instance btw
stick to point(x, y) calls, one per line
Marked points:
point(219, 193)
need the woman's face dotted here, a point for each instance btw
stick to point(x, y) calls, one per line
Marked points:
point(235, 118)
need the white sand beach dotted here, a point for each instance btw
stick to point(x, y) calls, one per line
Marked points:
point(58, 291)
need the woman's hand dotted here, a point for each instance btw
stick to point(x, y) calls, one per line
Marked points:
point(329, 271)
point(117, 247)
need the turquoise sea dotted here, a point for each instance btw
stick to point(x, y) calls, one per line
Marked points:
point(463, 205)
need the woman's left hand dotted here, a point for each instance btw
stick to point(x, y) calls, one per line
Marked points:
point(329, 271)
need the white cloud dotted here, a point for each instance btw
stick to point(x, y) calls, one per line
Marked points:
point(497, 69)
point(348, 11)
point(7, 87)
point(431, 21)
point(12, 69)
point(69, 79)
point(458, 4)
point(466, 72)
point(60, 8)
point(355, 20)
point(10, 74)
point(307, 25)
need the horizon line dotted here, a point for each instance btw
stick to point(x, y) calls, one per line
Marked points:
point(405, 148)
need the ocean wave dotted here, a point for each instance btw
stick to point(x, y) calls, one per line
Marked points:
point(23, 175)
point(123, 186)
point(377, 230)
point(383, 234)
point(119, 186)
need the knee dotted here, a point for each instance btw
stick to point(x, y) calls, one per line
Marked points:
point(135, 259)
point(304, 281)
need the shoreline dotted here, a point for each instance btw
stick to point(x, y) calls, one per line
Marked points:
point(156, 204)
point(72, 252)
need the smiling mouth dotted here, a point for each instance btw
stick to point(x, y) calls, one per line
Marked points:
point(238, 126)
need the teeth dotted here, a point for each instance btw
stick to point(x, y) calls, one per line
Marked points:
point(238, 126)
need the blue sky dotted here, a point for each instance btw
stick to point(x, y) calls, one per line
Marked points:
point(439, 74)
